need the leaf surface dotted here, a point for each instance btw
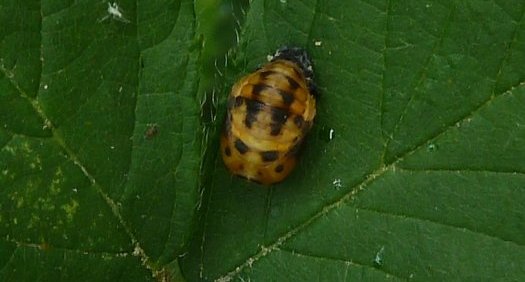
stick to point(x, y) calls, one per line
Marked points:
point(100, 139)
point(415, 166)
point(414, 169)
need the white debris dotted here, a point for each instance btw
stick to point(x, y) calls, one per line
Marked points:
point(331, 133)
point(318, 43)
point(115, 12)
point(378, 260)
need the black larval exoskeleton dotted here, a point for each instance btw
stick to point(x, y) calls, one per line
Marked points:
point(300, 57)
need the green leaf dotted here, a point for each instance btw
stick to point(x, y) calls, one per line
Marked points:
point(415, 167)
point(100, 139)
point(109, 126)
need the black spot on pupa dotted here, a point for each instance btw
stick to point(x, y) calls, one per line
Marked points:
point(269, 156)
point(251, 117)
point(279, 168)
point(297, 72)
point(228, 123)
point(299, 121)
point(238, 101)
point(241, 147)
point(264, 74)
point(313, 89)
point(293, 84)
point(227, 151)
point(287, 97)
point(279, 117)
point(294, 151)
point(252, 108)
point(258, 88)
point(275, 129)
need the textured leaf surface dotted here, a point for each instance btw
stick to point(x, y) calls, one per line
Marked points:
point(100, 139)
point(414, 170)
point(415, 166)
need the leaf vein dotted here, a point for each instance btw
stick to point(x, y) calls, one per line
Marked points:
point(422, 77)
point(463, 170)
point(383, 86)
point(508, 51)
point(314, 19)
point(45, 246)
point(8, 261)
point(444, 224)
point(452, 125)
point(343, 260)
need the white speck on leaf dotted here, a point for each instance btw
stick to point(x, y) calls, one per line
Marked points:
point(250, 262)
point(378, 260)
point(137, 251)
point(431, 147)
point(47, 124)
point(331, 133)
point(318, 43)
point(45, 86)
point(115, 12)
point(337, 183)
